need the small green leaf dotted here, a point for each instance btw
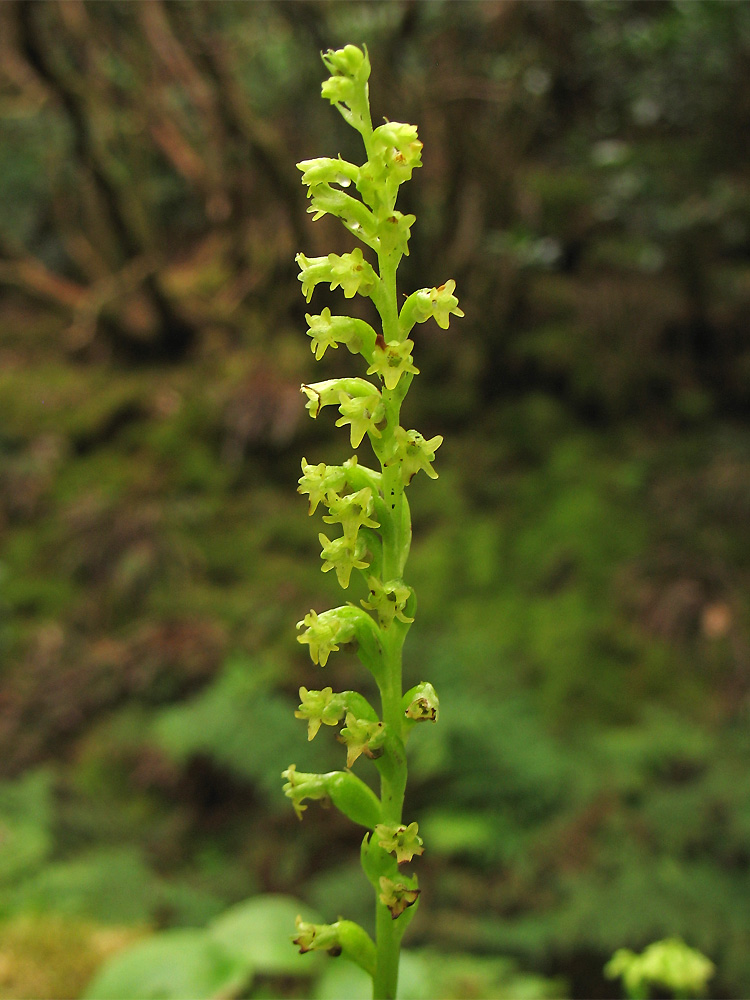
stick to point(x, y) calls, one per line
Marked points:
point(171, 966)
point(259, 930)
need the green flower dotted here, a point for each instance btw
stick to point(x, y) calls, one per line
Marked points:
point(313, 270)
point(320, 481)
point(350, 271)
point(352, 512)
point(330, 391)
point(398, 143)
point(322, 329)
point(415, 453)
point(324, 633)
point(389, 600)
point(353, 273)
point(316, 937)
point(395, 152)
point(320, 394)
point(438, 303)
point(391, 360)
point(397, 896)
point(394, 231)
point(326, 170)
point(403, 841)
point(361, 736)
point(330, 331)
point(342, 554)
point(347, 792)
point(363, 413)
point(319, 708)
point(342, 938)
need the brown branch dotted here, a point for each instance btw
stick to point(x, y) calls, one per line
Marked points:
point(32, 276)
point(178, 151)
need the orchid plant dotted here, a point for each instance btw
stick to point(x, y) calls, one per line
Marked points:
point(370, 509)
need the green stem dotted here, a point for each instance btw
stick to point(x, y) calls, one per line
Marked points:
point(388, 941)
point(392, 787)
point(395, 544)
point(396, 539)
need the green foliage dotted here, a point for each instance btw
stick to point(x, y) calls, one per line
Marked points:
point(25, 825)
point(428, 975)
point(106, 884)
point(249, 940)
point(258, 929)
point(238, 720)
point(668, 964)
point(175, 964)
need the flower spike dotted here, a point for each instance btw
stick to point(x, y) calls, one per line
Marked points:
point(370, 508)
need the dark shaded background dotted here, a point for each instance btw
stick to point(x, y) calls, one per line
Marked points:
point(582, 562)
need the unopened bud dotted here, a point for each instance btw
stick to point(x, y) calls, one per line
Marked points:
point(421, 703)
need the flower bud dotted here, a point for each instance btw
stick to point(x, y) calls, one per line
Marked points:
point(343, 93)
point(361, 736)
point(348, 62)
point(403, 841)
point(414, 453)
point(346, 88)
point(349, 794)
point(421, 704)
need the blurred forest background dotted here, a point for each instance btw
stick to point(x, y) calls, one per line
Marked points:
point(582, 563)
